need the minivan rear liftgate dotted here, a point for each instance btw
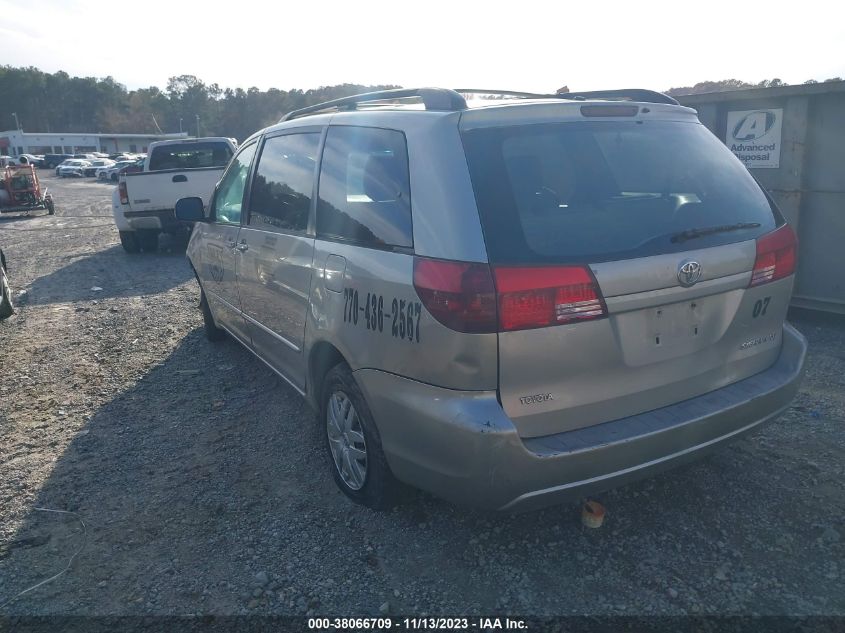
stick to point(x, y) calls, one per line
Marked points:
point(634, 263)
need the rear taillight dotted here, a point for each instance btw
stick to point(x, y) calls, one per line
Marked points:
point(124, 195)
point(776, 256)
point(534, 297)
point(460, 295)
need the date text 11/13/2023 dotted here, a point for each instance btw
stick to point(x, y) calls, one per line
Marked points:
point(399, 317)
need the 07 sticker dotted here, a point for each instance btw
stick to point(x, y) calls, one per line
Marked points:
point(401, 320)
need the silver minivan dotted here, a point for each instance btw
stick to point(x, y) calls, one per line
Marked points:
point(507, 302)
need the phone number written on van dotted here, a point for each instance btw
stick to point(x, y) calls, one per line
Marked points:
point(398, 317)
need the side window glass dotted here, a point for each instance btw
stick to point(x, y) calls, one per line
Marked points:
point(283, 183)
point(364, 192)
point(230, 192)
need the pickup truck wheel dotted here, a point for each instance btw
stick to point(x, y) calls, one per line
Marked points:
point(212, 332)
point(6, 307)
point(353, 446)
point(148, 239)
point(129, 241)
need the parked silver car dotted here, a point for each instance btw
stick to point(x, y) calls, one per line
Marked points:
point(507, 305)
point(112, 172)
point(73, 168)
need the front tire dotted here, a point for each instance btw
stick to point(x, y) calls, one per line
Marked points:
point(129, 242)
point(212, 332)
point(353, 445)
point(6, 307)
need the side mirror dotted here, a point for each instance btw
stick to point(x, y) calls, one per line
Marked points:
point(190, 210)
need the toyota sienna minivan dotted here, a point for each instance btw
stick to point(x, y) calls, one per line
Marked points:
point(507, 302)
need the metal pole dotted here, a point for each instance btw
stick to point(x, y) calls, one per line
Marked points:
point(180, 125)
point(198, 125)
point(17, 123)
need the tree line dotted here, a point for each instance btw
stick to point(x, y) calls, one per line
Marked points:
point(57, 102)
point(733, 84)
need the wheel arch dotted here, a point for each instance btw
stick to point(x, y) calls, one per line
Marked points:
point(322, 357)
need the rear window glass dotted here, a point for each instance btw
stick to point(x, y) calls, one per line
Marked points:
point(190, 156)
point(599, 191)
point(364, 191)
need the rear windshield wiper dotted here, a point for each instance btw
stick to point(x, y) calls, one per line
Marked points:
point(691, 234)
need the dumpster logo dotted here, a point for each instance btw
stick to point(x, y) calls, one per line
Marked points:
point(754, 136)
point(753, 126)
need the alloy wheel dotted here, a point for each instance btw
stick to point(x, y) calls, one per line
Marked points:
point(346, 440)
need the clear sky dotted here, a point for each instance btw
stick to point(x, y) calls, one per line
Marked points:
point(516, 44)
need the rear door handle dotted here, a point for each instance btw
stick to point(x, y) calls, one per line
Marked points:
point(179, 178)
point(243, 246)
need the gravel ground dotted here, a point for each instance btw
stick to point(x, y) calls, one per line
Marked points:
point(201, 482)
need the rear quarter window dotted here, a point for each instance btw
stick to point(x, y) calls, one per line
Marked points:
point(364, 188)
point(599, 191)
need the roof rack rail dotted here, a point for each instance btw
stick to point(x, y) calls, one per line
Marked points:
point(447, 100)
point(506, 93)
point(433, 99)
point(631, 94)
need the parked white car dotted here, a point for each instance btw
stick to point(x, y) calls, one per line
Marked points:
point(23, 159)
point(73, 168)
point(129, 156)
point(95, 164)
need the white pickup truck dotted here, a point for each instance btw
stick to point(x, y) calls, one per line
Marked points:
point(143, 202)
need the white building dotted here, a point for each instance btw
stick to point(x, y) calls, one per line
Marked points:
point(17, 142)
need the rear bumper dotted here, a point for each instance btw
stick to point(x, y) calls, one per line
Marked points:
point(161, 219)
point(461, 445)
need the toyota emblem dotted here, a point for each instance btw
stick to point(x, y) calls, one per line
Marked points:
point(689, 272)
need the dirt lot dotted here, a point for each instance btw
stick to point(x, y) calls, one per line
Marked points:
point(202, 485)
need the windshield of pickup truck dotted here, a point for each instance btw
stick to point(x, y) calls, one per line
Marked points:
point(190, 156)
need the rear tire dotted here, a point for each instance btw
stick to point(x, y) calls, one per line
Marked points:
point(212, 332)
point(6, 307)
point(353, 445)
point(129, 241)
point(148, 240)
